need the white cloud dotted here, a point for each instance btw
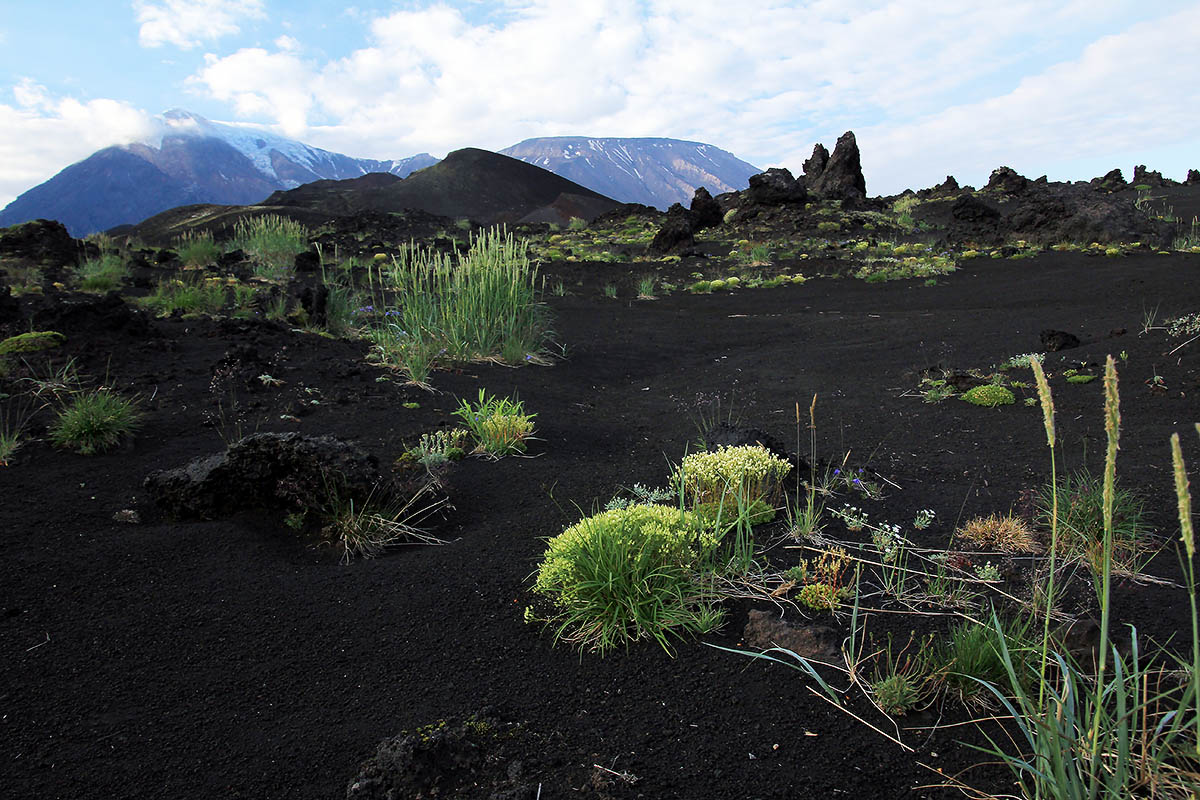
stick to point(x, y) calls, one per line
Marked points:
point(187, 23)
point(39, 134)
point(1115, 101)
point(765, 80)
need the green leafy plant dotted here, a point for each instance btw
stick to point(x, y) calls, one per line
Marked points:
point(94, 421)
point(899, 683)
point(627, 574)
point(441, 446)
point(500, 425)
point(271, 242)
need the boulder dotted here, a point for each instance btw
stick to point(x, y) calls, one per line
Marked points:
point(41, 241)
point(1006, 180)
point(1054, 340)
point(842, 178)
point(676, 233)
point(707, 211)
point(765, 630)
point(1193, 177)
point(267, 470)
point(774, 187)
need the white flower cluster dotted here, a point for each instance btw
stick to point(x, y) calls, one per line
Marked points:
point(749, 471)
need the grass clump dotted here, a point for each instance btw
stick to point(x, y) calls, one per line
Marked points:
point(31, 342)
point(197, 249)
point(999, 532)
point(973, 652)
point(102, 274)
point(272, 242)
point(989, 395)
point(186, 297)
point(365, 529)
point(500, 425)
point(625, 575)
point(480, 305)
point(93, 422)
point(1081, 521)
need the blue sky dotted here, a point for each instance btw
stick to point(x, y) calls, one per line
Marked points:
point(1069, 88)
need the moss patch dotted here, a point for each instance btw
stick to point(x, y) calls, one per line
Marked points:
point(31, 342)
point(989, 395)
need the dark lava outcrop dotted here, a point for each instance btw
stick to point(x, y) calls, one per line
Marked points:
point(776, 186)
point(842, 177)
point(677, 232)
point(706, 210)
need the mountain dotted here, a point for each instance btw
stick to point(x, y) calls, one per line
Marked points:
point(484, 186)
point(188, 160)
point(656, 172)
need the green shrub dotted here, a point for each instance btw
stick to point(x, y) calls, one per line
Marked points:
point(93, 422)
point(732, 480)
point(272, 242)
point(31, 342)
point(197, 249)
point(626, 574)
point(989, 395)
point(500, 425)
point(577, 224)
point(828, 227)
point(102, 274)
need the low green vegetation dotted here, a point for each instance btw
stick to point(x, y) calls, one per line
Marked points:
point(103, 273)
point(989, 395)
point(628, 574)
point(31, 342)
point(186, 297)
point(197, 249)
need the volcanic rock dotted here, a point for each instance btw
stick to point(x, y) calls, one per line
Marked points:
point(1193, 177)
point(1112, 180)
point(42, 241)
point(815, 164)
point(776, 186)
point(765, 630)
point(80, 313)
point(842, 178)
point(970, 208)
point(707, 210)
point(266, 470)
point(677, 231)
point(1006, 180)
point(1146, 177)
point(1054, 340)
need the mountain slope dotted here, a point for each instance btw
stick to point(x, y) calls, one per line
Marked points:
point(484, 186)
point(190, 160)
point(656, 172)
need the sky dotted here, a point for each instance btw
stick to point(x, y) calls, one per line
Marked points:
point(1066, 88)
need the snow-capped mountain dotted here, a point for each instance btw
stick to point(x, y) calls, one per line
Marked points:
point(188, 159)
point(656, 172)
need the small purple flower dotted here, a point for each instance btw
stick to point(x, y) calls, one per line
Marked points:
point(528, 357)
point(837, 472)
